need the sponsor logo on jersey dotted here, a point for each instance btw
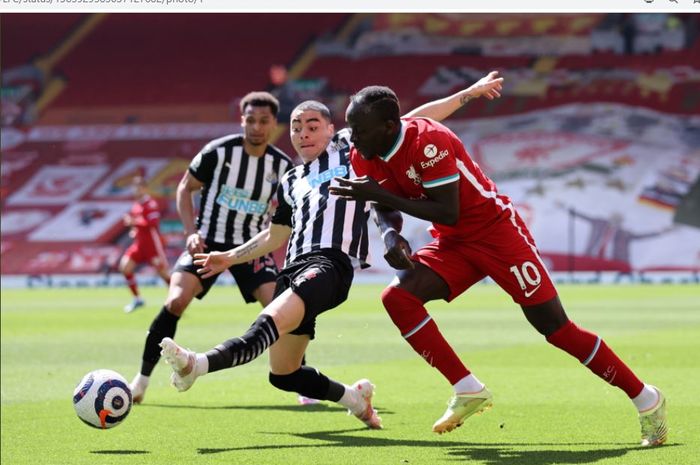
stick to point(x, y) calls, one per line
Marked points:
point(327, 175)
point(434, 161)
point(413, 175)
point(239, 200)
point(430, 150)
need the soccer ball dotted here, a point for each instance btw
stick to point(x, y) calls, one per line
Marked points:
point(102, 399)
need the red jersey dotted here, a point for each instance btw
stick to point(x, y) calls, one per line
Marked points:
point(427, 154)
point(145, 216)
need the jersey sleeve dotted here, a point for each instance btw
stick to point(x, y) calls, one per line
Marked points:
point(436, 160)
point(202, 166)
point(283, 212)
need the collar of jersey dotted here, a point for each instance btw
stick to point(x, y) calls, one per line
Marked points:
point(397, 144)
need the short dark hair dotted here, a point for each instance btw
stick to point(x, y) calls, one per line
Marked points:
point(260, 99)
point(381, 100)
point(314, 105)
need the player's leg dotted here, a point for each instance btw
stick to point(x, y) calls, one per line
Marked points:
point(265, 293)
point(287, 374)
point(162, 268)
point(257, 281)
point(284, 314)
point(514, 263)
point(404, 300)
point(304, 291)
point(591, 350)
point(127, 267)
point(158, 258)
point(184, 286)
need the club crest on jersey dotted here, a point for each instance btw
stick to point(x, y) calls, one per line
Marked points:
point(413, 175)
point(271, 178)
point(339, 144)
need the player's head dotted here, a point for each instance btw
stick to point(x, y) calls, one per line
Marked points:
point(310, 129)
point(258, 117)
point(374, 118)
point(139, 185)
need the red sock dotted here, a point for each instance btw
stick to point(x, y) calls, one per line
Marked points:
point(131, 282)
point(420, 331)
point(593, 352)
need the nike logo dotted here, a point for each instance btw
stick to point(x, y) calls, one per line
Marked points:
point(382, 181)
point(529, 293)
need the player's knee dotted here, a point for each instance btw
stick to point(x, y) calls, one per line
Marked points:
point(176, 304)
point(289, 382)
point(404, 309)
point(388, 297)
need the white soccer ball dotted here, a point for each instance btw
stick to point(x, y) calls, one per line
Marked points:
point(102, 399)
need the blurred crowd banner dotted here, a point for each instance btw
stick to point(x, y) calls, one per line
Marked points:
point(603, 187)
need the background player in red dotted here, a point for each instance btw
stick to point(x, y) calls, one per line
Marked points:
point(147, 248)
point(418, 166)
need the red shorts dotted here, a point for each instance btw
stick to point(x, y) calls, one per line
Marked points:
point(144, 253)
point(508, 255)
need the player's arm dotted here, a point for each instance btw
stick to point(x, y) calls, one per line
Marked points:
point(441, 204)
point(396, 248)
point(186, 188)
point(261, 244)
point(488, 86)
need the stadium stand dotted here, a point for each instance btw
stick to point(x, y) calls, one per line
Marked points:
point(579, 126)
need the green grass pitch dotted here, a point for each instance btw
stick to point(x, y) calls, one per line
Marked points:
point(548, 408)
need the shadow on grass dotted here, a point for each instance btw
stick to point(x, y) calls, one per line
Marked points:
point(119, 452)
point(486, 453)
point(291, 407)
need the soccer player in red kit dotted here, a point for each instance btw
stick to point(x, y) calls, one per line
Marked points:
point(147, 248)
point(419, 167)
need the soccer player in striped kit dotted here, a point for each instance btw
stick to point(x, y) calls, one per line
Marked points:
point(327, 240)
point(237, 177)
point(419, 167)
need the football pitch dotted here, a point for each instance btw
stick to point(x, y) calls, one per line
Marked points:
point(548, 409)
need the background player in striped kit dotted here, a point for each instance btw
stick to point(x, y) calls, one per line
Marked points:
point(237, 178)
point(147, 248)
point(425, 171)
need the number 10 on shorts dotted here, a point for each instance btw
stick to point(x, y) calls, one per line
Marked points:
point(527, 272)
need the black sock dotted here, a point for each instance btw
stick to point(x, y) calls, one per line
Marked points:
point(237, 351)
point(309, 382)
point(164, 325)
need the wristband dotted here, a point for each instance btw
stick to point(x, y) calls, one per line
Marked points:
point(387, 231)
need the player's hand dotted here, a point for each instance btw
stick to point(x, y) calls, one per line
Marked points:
point(489, 86)
point(397, 251)
point(211, 263)
point(362, 188)
point(194, 244)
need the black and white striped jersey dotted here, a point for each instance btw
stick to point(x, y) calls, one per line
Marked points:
point(320, 220)
point(238, 188)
